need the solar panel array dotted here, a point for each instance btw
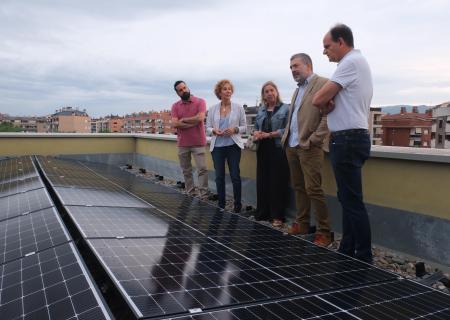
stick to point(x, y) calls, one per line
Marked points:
point(176, 257)
point(42, 274)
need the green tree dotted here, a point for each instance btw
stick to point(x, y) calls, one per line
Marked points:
point(8, 127)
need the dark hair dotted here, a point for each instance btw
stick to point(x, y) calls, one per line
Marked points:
point(344, 32)
point(304, 58)
point(177, 83)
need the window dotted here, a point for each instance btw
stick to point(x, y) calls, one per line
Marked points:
point(440, 138)
point(425, 144)
point(425, 131)
point(440, 124)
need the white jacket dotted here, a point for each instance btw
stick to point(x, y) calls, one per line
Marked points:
point(237, 119)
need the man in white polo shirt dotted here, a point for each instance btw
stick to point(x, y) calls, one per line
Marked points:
point(346, 98)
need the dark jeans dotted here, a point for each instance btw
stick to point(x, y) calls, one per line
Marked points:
point(232, 154)
point(348, 154)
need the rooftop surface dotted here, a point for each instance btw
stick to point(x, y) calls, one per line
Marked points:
point(72, 227)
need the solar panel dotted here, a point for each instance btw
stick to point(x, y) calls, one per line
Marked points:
point(395, 300)
point(105, 222)
point(97, 197)
point(21, 203)
point(20, 185)
point(30, 233)
point(188, 260)
point(164, 276)
point(52, 284)
point(314, 268)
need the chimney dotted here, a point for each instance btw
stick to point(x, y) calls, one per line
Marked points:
point(415, 109)
point(403, 110)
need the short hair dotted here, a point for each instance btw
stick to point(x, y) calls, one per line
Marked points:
point(219, 85)
point(177, 83)
point(306, 59)
point(270, 83)
point(342, 31)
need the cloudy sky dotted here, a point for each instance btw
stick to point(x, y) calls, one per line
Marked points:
point(112, 56)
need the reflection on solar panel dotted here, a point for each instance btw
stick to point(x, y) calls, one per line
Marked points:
point(42, 276)
point(106, 222)
point(30, 233)
point(96, 197)
point(166, 276)
point(22, 203)
point(185, 259)
point(16, 169)
point(51, 284)
point(20, 185)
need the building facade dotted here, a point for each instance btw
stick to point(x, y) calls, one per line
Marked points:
point(440, 136)
point(70, 120)
point(149, 122)
point(375, 126)
point(407, 129)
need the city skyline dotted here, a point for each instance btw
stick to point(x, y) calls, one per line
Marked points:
point(111, 57)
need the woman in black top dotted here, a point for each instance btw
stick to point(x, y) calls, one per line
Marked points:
point(272, 173)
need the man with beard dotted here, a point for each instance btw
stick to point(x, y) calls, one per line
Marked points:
point(188, 116)
point(303, 140)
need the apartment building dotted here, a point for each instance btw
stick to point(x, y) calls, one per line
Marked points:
point(440, 131)
point(149, 122)
point(407, 129)
point(70, 120)
point(375, 126)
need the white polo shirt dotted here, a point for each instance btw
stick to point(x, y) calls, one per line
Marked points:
point(352, 103)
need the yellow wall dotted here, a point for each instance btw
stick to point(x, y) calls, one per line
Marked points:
point(167, 150)
point(14, 146)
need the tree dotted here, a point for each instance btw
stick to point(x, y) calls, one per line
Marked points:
point(8, 127)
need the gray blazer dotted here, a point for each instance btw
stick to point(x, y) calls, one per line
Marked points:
point(237, 119)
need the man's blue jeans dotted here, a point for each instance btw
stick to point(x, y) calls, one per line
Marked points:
point(231, 154)
point(348, 152)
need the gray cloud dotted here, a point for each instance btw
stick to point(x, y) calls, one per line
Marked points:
point(120, 57)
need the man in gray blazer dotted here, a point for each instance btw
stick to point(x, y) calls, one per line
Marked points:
point(304, 140)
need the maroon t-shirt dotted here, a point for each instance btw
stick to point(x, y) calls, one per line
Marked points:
point(194, 136)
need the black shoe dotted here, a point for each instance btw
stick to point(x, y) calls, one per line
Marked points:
point(213, 197)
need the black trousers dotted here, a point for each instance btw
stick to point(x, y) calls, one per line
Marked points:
point(272, 181)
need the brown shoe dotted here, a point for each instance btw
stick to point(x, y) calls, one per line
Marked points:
point(322, 239)
point(296, 228)
point(277, 223)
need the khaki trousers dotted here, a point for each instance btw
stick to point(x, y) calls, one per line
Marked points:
point(184, 154)
point(305, 168)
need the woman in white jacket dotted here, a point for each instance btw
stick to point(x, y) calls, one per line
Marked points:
point(226, 122)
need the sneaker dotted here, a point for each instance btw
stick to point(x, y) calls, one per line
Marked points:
point(300, 229)
point(323, 240)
